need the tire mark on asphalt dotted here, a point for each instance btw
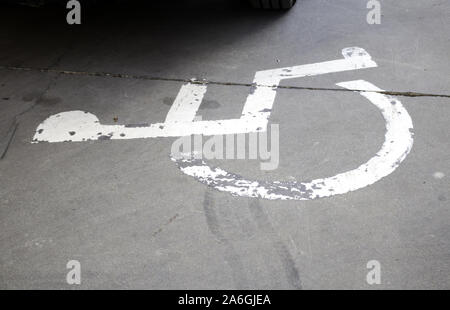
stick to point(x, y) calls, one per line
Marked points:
point(266, 227)
point(231, 257)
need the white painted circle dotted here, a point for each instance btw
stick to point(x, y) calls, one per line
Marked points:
point(397, 145)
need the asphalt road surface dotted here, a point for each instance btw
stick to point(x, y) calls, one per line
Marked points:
point(133, 219)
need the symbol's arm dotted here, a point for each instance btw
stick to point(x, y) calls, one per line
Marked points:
point(186, 104)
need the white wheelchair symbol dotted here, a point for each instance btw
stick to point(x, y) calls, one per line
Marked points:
point(79, 126)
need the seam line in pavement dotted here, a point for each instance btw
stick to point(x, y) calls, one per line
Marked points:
point(206, 82)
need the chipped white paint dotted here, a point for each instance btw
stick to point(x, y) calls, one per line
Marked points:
point(397, 145)
point(77, 126)
point(438, 175)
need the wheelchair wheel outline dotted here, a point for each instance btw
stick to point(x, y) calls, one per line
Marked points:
point(397, 145)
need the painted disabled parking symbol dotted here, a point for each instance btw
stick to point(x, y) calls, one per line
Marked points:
point(79, 126)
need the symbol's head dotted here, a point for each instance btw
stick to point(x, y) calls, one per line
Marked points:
point(67, 126)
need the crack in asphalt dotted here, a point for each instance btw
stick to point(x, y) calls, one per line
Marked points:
point(206, 82)
point(11, 133)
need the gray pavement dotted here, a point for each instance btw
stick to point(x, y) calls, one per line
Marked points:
point(134, 220)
